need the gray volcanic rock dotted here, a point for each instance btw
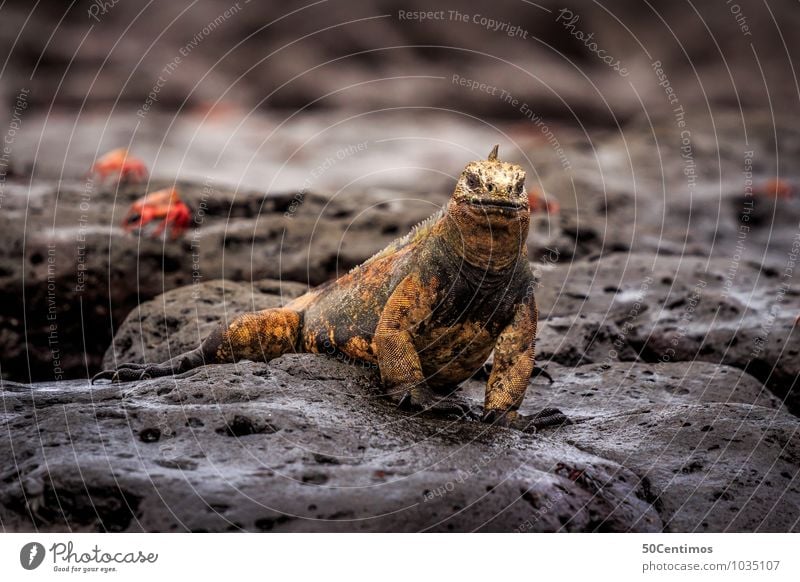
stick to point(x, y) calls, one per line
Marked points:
point(709, 467)
point(303, 444)
point(593, 390)
point(179, 320)
point(663, 309)
point(306, 443)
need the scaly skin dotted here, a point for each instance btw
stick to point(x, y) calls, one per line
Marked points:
point(427, 310)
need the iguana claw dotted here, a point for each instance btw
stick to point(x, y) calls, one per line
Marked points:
point(134, 372)
point(426, 400)
point(545, 418)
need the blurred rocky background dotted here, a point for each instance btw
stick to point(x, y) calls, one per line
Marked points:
point(661, 143)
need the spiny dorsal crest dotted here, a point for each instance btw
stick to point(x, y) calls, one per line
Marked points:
point(416, 233)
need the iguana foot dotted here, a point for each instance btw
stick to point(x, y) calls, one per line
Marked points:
point(133, 372)
point(426, 400)
point(545, 418)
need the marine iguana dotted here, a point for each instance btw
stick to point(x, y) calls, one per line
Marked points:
point(427, 310)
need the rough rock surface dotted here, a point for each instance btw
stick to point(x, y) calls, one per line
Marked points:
point(179, 320)
point(663, 309)
point(306, 444)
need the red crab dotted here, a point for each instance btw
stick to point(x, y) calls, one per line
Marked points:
point(538, 202)
point(776, 188)
point(164, 205)
point(119, 164)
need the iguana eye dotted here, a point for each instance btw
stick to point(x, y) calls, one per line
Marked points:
point(473, 181)
point(518, 188)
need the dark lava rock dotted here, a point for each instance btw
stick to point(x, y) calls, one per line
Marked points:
point(663, 309)
point(737, 470)
point(270, 449)
point(601, 389)
point(306, 443)
point(179, 320)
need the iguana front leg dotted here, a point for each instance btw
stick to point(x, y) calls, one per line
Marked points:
point(398, 361)
point(513, 364)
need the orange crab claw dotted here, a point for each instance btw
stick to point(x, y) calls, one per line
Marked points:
point(539, 202)
point(776, 188)
point(122, 166)
point(165, 206)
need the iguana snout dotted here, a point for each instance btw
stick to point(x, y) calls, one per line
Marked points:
point(492, 188)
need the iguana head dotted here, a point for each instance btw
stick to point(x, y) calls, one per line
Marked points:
point(492, 188)
point(488, 215)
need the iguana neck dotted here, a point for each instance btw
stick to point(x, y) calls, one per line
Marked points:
point(494, 246)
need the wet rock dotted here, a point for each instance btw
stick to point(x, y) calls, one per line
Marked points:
point(584, 339)
point(307, 444)
point(709, 467)
point(297, 455)
point(179, 320)
point(663, 309)
point(601, 389)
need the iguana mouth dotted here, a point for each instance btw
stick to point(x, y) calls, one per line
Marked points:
point(497, 203)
